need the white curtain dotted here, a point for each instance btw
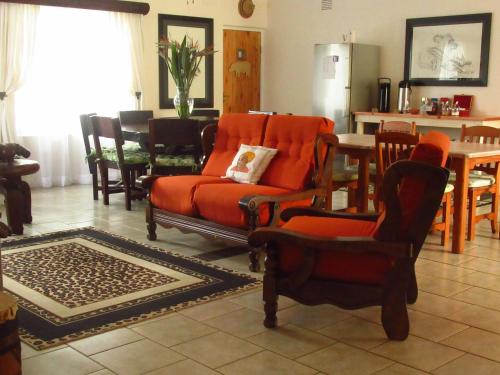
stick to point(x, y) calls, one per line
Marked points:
point(131, 27)
point(18, 23)
point(82, 63)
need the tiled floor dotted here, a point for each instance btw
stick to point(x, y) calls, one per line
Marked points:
point(455, 324)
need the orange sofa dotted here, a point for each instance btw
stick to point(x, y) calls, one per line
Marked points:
point(220, 208)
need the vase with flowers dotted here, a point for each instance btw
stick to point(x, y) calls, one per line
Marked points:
point(183, 62)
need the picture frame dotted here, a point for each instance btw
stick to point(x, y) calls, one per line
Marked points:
point(199, 29)
point(448, 51)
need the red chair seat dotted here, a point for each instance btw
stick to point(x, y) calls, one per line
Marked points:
point(176, 193)
point(220, 203)
point(364, 268)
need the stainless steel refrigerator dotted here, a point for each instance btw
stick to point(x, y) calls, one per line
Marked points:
point(345, 81)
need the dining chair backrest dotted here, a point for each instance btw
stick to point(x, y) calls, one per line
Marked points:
point(174, 132)
point(398, 126)
point(206, 112)
point(86, 125)
point(486, 135)
point(135, 117)
point(107, 127)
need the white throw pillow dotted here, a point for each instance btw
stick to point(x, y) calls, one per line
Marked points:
point(250, 163)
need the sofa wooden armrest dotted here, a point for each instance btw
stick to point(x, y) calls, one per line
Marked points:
point(207, 142)
point(319, 212)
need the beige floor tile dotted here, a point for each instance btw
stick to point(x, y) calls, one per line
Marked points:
point(291, 341)
point(242, 323)
point(372, 313)
point(266, 363)
point(60, 362)
point(469, 364)
point(174, 330)
point(340, 359)
point(217, 349)
point(186, 367)
point(476, 341)
point(254, 301)
point(439, 255)
point(95, 344)
point(137, 357)
point(102, 372)
point(149, 321)
point(210, 310)
point(419, 353)
point(312, 317)
point(442, 270)
point(482, 280)
point(440, 286)
point(399, 369)
point(479, 296)
point(479, 317)
point(27, 351)
point(356, 332)
point(487, 252)
point(432, 327)
point(484, 265)
point(437, 305)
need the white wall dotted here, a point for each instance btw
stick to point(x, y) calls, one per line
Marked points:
point(296, 25)
point(225, 15)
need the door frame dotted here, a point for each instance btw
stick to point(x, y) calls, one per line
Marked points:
point(262, 44)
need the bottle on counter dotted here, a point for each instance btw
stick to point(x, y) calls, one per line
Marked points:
point(423, 105)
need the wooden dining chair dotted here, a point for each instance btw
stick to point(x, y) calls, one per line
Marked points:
point(135, 117)
point(130, 161)
point(398, 126)
point(180, 136)
point(482, 180)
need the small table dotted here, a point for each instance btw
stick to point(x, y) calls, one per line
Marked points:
point(464, 156)
point(450, 122)
point(17, 192)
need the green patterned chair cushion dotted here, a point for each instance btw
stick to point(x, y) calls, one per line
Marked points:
point(476, 179)
point(372, 168)
point(132, 154)
point(345, 175)
point(163, 160)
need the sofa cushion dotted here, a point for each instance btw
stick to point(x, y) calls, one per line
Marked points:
point(365, 268)
point(295, 138)
point(233, 130)
point(219, 203)
point(175, 193)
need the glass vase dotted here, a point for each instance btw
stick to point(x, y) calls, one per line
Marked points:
point(183, 103)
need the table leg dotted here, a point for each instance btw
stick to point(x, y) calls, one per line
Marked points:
point(363, 181)
point(14, 205)
point(360, 127)
point(460, 205)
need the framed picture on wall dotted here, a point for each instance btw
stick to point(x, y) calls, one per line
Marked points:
point(201, 31)
point(448, 51)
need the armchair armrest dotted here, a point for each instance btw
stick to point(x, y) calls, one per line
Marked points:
point(318, 212)
point(207, 142)
point(350, 245)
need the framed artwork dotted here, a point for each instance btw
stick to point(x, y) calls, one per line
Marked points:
point(200, 30)
point(448, 51)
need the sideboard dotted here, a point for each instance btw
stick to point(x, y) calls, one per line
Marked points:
point(453, 122)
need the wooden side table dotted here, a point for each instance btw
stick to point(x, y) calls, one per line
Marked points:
point(17, 192)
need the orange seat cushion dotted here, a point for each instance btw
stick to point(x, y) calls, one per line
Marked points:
point(219, 203)
point(176, 193)
point(295, 138)
point(365, 268)
point(233, 130)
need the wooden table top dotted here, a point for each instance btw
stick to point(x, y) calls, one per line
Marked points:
point(433, 117)
point(457, 149)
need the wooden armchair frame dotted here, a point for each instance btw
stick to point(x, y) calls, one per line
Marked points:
point(400, 285)
point(316, 191)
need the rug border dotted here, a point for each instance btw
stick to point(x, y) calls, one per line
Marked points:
point(30, 340)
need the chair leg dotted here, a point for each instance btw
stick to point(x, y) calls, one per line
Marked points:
point(95, 187)
point(445, 234)
point(254, 255)
point(412, 291)
point(494, 210)
point(126, 186)
point(151, 225)
point(471, 229)
point(104, 184)
point(269, 292)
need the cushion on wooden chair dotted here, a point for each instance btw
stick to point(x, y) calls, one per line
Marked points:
point(132, 154)
point(164, 160)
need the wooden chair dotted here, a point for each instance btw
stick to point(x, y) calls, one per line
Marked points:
point(393, 146)
point(113, 186)
point(483, 179)
point(135, 117)
point(398, 126)
point(132, 163)
point(176, 134)
point(358, 260)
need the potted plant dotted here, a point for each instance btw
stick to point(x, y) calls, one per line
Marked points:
point(183, 62)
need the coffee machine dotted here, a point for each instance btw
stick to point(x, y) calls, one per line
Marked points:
point(404, 97)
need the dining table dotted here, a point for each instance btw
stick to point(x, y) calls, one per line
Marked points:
point(462, 158)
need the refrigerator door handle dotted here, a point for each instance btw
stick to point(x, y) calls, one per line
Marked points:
point(347, 101)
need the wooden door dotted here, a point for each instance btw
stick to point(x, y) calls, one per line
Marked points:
point(241, 71)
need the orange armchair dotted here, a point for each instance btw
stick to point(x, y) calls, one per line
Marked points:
point(357, 260)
